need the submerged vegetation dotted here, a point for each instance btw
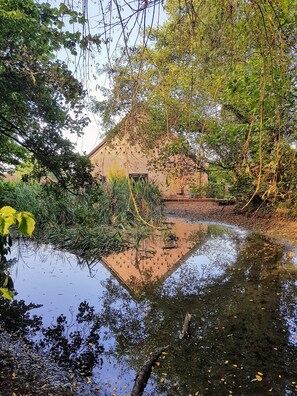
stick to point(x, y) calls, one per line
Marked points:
point(96, 221)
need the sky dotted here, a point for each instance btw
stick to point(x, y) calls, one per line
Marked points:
point(101, 14)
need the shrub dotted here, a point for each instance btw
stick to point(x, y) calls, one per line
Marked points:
point(7, 189)
point(91, 222)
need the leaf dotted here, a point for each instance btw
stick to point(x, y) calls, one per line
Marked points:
point(26, 223)
point(7, 219)
point(6, 293)
point(7, 211)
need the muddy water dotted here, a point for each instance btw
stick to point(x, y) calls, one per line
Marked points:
point(239, 288)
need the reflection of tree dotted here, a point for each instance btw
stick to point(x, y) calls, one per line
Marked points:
point(238, 328)
point(15, 317)
point(79, 348)
point(75, 345)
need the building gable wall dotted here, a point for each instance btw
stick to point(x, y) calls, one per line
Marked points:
point(120, 157)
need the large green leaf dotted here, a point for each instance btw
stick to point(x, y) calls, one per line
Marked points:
point(26, 223)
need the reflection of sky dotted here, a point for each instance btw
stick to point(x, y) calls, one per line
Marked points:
point(57, 280)
point(288, 308)
point(206, 265)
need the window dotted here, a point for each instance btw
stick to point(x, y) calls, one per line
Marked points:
point(138, 176)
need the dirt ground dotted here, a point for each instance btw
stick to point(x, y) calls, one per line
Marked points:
point(283, 230)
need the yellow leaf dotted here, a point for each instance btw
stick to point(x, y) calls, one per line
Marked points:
point(88, 380)
point(162, 379)
point(259, 373)
point(259, 378)
point(6, 293)
point(7, 211)
point(7, 219)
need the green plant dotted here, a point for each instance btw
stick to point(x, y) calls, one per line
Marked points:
point(210, 190)
point(26, 224)
point(7, 189)
point(89, 223)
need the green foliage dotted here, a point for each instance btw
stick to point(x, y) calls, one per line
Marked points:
point(222, 74)
point(92, 223)
point(26, 224)
point(147, 198)
point(210, 190)
point(22, 196)
point(41, 99)
point(7, 189)
point(9, 216)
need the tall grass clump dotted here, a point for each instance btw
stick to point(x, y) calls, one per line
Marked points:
point(133, 200)
point(91, 222)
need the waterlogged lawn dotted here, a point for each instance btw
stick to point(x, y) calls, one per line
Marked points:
point(240, 289)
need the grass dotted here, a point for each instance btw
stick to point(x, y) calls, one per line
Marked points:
point(91, 223)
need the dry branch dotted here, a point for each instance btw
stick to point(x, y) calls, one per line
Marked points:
point(186, 327)
point(144, 373)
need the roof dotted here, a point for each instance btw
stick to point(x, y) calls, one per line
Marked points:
point(10, 177)
point(134, 117)
point(95, 149)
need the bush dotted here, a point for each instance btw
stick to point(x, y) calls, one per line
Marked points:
point(210, 190)
point(7, 189)
point(91, 222)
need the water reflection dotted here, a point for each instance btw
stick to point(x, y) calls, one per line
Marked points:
point(239, 288)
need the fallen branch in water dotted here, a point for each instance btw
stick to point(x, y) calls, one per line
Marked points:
point(144, 373)
point(186, 327)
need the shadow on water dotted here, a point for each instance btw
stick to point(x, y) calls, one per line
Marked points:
point(240, 289)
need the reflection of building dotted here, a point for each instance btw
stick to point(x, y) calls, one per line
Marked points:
point(173, 174)
point(155, 259)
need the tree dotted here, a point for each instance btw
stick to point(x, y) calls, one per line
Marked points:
point(40, 98)
point(224, 73)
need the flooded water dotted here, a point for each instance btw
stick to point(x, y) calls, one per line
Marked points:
point(240, 289)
